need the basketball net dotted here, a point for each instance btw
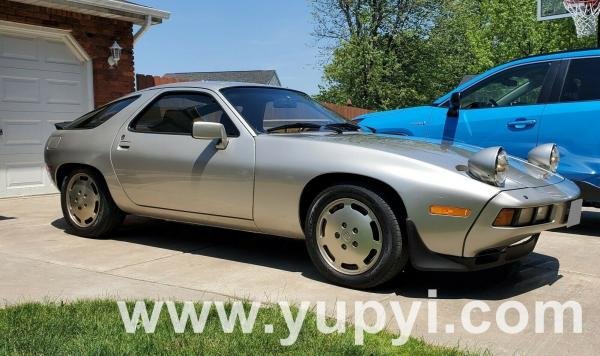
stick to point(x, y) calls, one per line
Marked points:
point(585, 15)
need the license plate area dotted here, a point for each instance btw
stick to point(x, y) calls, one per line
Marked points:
point(574, 216)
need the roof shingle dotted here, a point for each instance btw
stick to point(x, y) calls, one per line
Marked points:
point(246, 76)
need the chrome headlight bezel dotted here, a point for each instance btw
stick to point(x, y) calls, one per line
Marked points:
point(545, 156)
point(490, 166)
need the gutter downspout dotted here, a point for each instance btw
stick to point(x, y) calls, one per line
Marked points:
point(140, 32)
point(142, 29)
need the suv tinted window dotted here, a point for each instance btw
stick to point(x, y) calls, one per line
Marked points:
point(516, 86)
point(174, 113)
point(101, 115)
point(583, 81)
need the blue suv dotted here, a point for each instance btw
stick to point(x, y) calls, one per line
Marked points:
point(519, 105)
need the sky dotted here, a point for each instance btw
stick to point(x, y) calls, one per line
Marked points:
point(209, 35)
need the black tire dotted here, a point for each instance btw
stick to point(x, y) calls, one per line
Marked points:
point(394, 253)
point(109, 216)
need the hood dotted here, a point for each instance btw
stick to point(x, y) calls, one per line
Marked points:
point(411, 113)
point(436, 152)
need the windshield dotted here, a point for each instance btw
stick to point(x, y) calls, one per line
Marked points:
point(265, 108)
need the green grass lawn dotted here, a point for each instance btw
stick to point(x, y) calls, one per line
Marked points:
point(95, 327)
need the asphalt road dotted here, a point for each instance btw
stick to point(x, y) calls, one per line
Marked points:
point(158, 259)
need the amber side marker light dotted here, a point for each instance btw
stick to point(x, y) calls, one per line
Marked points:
point(505, 218)
point(449, 211)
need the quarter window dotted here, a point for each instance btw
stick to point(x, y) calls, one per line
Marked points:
point(517, 86)
point(175, 113)
point(101, 115)
point(583, 81)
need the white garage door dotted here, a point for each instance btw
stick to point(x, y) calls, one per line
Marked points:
point(41, 82)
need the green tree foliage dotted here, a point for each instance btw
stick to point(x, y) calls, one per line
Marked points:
point(385, 54)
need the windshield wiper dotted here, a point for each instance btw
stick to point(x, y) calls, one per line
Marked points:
point(351, 126)
point(302, 125)
point(343, 125)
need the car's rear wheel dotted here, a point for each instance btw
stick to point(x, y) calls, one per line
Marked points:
point(87, 205)
point(354, 237)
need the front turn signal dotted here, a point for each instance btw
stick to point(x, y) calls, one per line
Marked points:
point(505, 217)
point(449, 211)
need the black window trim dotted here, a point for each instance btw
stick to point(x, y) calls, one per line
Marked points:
point(562, 78)
point(545, 94)
point(132, 122)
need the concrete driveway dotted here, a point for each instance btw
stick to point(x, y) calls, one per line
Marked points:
point(157, 259)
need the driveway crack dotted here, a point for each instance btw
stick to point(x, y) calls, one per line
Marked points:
point(161, 258)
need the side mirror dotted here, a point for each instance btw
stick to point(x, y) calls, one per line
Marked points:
point(454, 108)
point(210, 131)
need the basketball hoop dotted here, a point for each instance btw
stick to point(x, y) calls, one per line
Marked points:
point(585, 15)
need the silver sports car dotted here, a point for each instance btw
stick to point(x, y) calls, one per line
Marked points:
point(272, 160)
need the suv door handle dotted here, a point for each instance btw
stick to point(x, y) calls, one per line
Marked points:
point(522, 124)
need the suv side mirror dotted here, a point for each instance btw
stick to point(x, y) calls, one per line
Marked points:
point(210, 131)
point(454, 108)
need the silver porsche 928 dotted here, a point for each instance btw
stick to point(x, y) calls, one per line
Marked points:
point(272, 160)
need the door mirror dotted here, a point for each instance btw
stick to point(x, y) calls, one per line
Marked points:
point(210, 131)
point(454, 104)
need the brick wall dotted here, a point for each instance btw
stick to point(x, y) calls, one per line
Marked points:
point(95, 34)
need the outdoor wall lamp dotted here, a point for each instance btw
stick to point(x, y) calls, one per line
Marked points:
point(115, 54)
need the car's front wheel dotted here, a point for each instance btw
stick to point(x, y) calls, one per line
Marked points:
point(87, 205)
point(354, 237)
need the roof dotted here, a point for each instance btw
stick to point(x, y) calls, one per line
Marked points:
point(114, 9)
point(558, 55)
point(578, 53)
point(244, 76)
point(210, 85)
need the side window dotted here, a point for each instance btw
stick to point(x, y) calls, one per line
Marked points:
point(583, 81)
point(101, 115)
point(175, 113)
point(517, 86)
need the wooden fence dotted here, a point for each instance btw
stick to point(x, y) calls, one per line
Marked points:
point(144, 81)
point(348, 112)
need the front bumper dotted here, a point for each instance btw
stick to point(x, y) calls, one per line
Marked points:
point(484, 236)
point(425, 260)
point(487, 246)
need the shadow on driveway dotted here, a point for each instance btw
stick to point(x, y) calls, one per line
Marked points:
point(535, 271)
point(290, 255)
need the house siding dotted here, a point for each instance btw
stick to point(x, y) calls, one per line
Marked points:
point(95, 34)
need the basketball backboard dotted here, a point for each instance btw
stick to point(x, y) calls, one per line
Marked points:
point(551, 10)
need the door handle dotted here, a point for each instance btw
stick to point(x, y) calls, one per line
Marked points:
point(522, 124)
point(124, 145)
